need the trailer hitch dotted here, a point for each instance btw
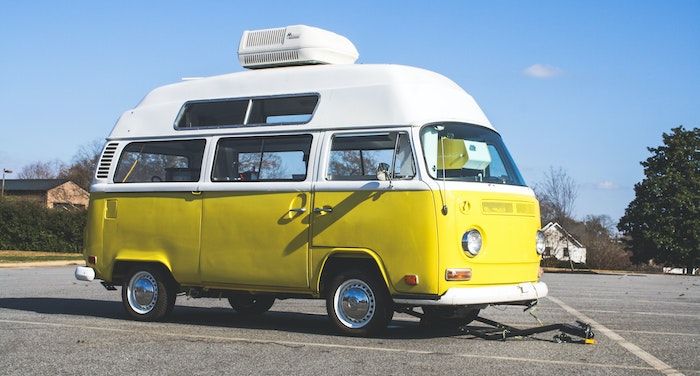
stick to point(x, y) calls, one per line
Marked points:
point(500, 331)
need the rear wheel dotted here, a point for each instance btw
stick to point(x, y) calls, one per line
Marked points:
point(359, 304)
point(148, 294)
point(250, 305)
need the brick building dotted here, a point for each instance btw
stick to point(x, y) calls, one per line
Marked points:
point(53, 193)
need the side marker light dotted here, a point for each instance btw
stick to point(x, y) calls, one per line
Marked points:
point(410, 279)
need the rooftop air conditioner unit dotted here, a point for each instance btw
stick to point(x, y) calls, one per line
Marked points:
point(294, 45)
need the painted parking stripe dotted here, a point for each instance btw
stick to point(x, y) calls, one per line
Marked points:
point(658, 333)
point(595, 298)
point(325, 345)
point(644, 313)
point(631, 347)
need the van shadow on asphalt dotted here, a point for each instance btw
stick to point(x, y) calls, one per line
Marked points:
point(295, 322)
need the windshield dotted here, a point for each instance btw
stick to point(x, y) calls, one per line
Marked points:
point(466, 152)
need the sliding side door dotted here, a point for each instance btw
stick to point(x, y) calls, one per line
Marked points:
point(256, 207)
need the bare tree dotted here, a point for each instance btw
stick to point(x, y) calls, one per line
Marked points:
point(82, 167)
point(603, 248)
point(41, 170)
point(557, 194)
point(353, 162)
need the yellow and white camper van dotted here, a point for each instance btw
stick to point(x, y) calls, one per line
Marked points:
point(379, 188)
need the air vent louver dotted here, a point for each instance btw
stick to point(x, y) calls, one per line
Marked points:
point(271, 58)
point(106, 160)
point(266, 37)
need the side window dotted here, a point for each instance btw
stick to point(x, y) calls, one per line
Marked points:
point(213, 114)
point(277, 158)
point(218, 113)
point(160, 161)
point(371, 157)
point(496, 168)
point(291, 110)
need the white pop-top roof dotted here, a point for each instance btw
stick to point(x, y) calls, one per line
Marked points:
point(351, 96)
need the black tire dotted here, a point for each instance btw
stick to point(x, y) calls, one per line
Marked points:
point(148, 294)
point(251, 305)
point(367, 309)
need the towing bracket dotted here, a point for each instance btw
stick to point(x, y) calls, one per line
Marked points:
point(500, 331)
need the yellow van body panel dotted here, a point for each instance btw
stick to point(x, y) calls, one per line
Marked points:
point(94, 235)
point(159, 227)
point(253, 239)
point(396, 226)
point(508, 224)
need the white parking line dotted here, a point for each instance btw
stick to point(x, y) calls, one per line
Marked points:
point(644, 313)
point(596, 298)
point(326, 345)
point(658, 333)
point(631, 347)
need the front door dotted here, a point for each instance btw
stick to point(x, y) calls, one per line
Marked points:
point(255, 215)
point(368, 199)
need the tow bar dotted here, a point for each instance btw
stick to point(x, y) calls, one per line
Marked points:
point(499, 331)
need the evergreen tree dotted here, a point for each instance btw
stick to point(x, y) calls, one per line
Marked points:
point(663, 221)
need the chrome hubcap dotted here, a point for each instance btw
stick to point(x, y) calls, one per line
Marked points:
point(142, 292)
point(354, 303)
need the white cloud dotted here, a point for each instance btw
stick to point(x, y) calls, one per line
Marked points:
point(542, 71)
point(607, 185)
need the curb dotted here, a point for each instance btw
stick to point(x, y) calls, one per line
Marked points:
point(595, 271)
point(39, 264)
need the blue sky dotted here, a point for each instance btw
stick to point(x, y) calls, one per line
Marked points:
point(583, 85)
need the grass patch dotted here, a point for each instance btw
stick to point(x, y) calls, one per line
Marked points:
point(31, 256)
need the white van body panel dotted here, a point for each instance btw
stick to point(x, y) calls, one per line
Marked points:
point(351, 96)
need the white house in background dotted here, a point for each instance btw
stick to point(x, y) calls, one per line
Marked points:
point(561, 245)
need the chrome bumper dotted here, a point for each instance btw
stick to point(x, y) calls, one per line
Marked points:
point(84, 273)
point(485, 295)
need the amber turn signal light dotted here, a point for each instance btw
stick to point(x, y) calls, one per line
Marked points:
point(458, 274)
point(410, 279)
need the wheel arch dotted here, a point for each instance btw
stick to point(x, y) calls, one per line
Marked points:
point(122, 266)
point(345, 259)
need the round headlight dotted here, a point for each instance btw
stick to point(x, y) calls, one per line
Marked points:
point(539, 242)
point(471, 242)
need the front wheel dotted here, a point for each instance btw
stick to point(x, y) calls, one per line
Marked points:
point(148, 294)
point(359, 304)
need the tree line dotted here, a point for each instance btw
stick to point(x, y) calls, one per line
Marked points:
point(80, 170)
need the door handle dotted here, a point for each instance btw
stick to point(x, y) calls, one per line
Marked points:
point(324, 209)
point(298, 210)
point(196, 193)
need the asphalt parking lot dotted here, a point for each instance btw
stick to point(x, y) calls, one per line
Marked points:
point(51, 324)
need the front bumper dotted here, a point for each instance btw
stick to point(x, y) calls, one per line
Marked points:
point(521, 292)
